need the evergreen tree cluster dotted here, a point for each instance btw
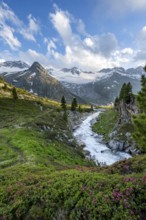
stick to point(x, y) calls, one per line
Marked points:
point(63, 103)
point(126, 94)
point(140, 120)
point(74, 106)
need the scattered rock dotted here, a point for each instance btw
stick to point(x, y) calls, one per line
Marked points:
point(111, 135)
point(116, 145)
point(128, 134)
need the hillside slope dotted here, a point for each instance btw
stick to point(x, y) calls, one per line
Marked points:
point(44, 175)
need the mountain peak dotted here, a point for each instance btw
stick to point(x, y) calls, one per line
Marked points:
point(73, 70)
point(37, 67)
point(36, 64)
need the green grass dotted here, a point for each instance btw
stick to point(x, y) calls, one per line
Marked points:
point(43, 176)
point(25, 141)
point(106, 123)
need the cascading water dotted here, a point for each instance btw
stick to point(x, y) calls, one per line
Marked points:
point(99, 151)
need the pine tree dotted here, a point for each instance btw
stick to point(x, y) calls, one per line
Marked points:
point(116, 102)
point(122, 92)
point(63, 103)
point(126, 93)
point(14, 93)
point(141, 98)
point(74, 104)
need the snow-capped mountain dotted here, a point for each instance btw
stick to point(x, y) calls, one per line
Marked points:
point(73, 75)
point(78, 76)
point(107, 85)
point(99, 87)
point(134, 73)
point(36, 80)
point(13, 66)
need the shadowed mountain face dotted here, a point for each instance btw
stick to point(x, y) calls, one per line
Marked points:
point(37, 80)
point(104, 90)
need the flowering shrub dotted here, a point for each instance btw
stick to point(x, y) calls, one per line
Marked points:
point(73, 195)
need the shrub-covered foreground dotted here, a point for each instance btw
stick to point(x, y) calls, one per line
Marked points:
point(39, 193)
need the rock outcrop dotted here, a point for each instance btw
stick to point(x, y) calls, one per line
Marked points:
point(121, 136)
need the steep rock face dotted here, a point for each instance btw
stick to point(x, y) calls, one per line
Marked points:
point(126, 110)
point(121, 136)
point(37, 80)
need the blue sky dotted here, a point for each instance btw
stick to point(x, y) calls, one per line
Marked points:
point(89, 34)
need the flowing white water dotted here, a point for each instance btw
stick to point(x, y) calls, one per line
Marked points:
point(99, 152)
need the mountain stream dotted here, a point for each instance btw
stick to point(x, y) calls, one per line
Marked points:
point(93, 143)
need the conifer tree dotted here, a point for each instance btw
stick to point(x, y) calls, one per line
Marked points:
point(14, 93)
point(116, 102)
point(63, 103)
point(126, 93)
point(122, 92)
point(141, 98)
point(74, 104)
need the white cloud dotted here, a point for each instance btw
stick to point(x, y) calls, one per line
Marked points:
point(31, 56)
point(81, 27)
point(127, 51)
point(7, 14)
point(140, 54)
point(61, 22)
point(88, 42)
point(32, 29)
point(51, 46)
point(92, 52)
point(45, 40)
point(7, 33)
point(141, 38)
point(2, 60)
point(10, 25)
point(7, 55)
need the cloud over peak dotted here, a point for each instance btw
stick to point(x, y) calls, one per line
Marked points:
point(92, 51)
